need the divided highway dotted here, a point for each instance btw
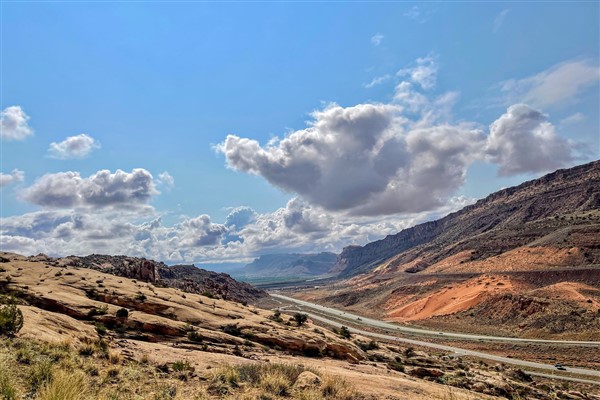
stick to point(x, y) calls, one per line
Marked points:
point(358, 320)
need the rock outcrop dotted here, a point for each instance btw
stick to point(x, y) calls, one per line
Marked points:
point(188, 278)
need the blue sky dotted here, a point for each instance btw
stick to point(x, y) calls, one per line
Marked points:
point(160, 86)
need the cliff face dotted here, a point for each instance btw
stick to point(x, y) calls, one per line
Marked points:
point(559, 193)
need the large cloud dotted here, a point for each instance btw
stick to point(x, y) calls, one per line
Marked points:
point(522, 140)
point(13, 124)
point(367, 160)
point(103, 189)
point(14, 176)
point(73, 147)
point(403, 157)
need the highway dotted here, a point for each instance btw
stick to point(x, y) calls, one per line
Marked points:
point(456, 350)
point(357, 319)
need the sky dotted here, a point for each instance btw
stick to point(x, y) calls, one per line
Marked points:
point(213, 133)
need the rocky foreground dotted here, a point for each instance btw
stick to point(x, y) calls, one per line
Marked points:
point(124, 338)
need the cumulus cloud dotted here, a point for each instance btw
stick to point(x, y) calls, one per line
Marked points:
point(558, 85)
point(165, 179)
point(13, 124)
point(73, 147)
point(522, 140)
point(103, 189)
point(239, 217)
point(14, 176)
point(402, 157)
point(376, 39)
point(365, 159)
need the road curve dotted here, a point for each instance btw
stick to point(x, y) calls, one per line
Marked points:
point(417, 331)
point(464, 352)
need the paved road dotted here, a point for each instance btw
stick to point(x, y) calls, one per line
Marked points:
point(456, 350)
point(357, 319)
point(464, 352)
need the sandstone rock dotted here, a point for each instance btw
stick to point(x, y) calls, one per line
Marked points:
point(479, 387)
point(307, 380)
point(420, 372)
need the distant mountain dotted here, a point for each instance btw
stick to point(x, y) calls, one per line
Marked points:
point(499, 217)
point(288, 265)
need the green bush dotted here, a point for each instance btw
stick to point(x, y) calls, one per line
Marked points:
point(11, 319)
point(300, 318)
point(194, 336)
point(122, 313)
point(345, 332)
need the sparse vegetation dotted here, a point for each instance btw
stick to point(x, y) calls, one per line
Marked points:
point(122, 313)
point(300, 318)
point(11, 319)
point(345, 332)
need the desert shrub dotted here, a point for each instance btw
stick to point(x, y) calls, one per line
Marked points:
point(276, 383)
point(397, 366)
point(87, 350)
point(122, 313)
point(100, 329)
point(64, 386)
point(194, 336)
point(41, 373)
point(141, 297)
point(300, 318)
point(276, 316)
point(7, 388)
point(166, 392)
point(181, 366)
point(231, 329)
point(337, 388)
point(364, 346)
point(11, 319)
point(345, 332)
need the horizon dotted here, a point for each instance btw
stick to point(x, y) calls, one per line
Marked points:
point(214, 134)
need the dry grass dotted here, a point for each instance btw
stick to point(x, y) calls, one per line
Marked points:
point(64, 386)
point(64, 372)
point(273, 380)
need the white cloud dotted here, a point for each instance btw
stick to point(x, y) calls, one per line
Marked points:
point(522, 140)
point(402, 157)
point(165, 179)
point(14, 176)
point(103, 189)
point(73, 147)
point(556, 86)
point(376, 39)
point(377, 81)
point(13, 124)
point(367, 160)
point(423, 73)
point(499, 20)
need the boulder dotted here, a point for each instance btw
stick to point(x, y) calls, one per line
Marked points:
point(421, 372)
point(307, 380)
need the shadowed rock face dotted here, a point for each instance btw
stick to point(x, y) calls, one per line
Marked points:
point(185, 277)
point(562, 192)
